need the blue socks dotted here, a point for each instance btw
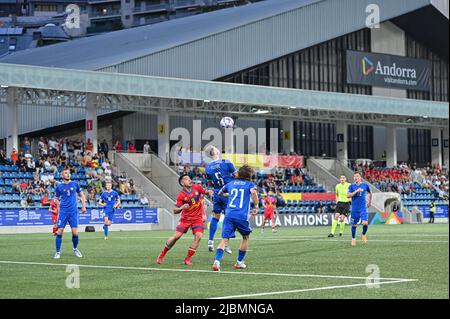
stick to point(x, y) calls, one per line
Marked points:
point(353, 232)
point(364, 231)
point(213, 228)
point(58, 242)
point(241, 255)
point(75, 241)
point(105, 229)
point(219, 254)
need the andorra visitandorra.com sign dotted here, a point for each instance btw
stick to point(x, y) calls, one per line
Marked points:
point(386, 70)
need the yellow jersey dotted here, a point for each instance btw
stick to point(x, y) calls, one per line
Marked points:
point(341, 192)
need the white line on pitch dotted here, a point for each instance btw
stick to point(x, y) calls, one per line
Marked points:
point(256, 238)
point(310, 289)
point(197, 270)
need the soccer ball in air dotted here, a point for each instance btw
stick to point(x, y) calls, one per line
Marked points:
point(226, 122)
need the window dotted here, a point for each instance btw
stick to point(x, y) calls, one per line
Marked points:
point(315, 139)
point(321, 67)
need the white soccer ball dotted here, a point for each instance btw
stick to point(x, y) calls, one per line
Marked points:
point(227, 122)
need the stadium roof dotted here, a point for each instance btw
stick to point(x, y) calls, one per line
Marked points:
point(195, 47)
point(279, 101)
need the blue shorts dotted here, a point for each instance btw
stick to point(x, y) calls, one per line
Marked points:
point(71, 218)
point(220, 203)
point(230, 225)
point(109, 214)
point(357, 216)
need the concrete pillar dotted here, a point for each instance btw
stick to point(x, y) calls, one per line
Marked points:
point(163, 137)
point(287, 126)
point(391, 146)
point(91, 120)
point(445, 150)
point(436, 146)
point(341, 141)
point(11, 121)
point(273, 139)
point(388, 39)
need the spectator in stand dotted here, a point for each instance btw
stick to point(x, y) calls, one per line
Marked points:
point(14, 156)
point(64, 147)
point(45, 202)
point(26, 145)
point(131, 189)
point(104, 148)
point(42, 146)
point(70, 149)
point(144, 200)
point(53, 146)
point(89, 147)
point(23, 202)
point(29, 200)
point(24, 186)
point(31, 165)
point(2, 157)
point(131, 147)
point(118, 147)
point(16, 185)
point(146, 148)
point(22, 162)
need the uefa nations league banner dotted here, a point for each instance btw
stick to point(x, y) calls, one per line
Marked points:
point(294, 220)
point(299, 220)
point(388, 71)
point(42, 217)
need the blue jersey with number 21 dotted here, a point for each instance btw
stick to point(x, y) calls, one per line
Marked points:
point(239, 199)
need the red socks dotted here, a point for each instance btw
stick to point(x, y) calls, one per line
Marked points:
point(191, 253)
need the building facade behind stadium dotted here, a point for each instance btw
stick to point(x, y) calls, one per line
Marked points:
point(305, 45)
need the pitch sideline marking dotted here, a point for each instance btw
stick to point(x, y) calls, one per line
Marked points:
point(311, 289)
point(200, 271)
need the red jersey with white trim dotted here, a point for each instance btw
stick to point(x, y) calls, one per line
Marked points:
point(269, 204)
point(194, 199)
point(54, 207)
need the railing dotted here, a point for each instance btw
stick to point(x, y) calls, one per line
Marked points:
point(185, 3)
point(101, 1)
point(152, 7)
point(107, 13)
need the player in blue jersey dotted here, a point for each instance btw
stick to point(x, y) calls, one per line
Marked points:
point(239, 193)
point(67, 192)
point(358, 192)
point(110, 200)
point(219, 173)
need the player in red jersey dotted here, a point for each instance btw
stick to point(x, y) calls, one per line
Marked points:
point(190, 204)
point(270, 205)
point(54, 209)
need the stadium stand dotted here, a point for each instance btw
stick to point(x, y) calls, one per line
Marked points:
point(29, 182)
point(417, 186)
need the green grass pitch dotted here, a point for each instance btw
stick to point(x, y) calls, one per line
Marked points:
point(412, 261)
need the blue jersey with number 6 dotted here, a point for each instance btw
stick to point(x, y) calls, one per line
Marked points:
point(239, 199)
point(220, 172)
